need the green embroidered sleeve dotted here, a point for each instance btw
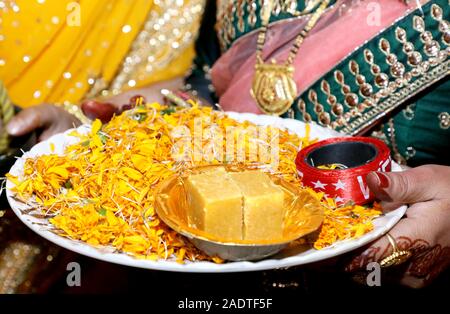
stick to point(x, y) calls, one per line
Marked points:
point(420, 133)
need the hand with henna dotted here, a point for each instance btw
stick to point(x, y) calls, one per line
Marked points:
point(425, 229)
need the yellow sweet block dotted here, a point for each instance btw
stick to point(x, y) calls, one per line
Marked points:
point(235, 205)
point(215, 204)
point(263, 203)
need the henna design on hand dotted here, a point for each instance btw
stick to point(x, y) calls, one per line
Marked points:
point(426, 263)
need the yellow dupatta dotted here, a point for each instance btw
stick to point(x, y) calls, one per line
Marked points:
point(63, 50)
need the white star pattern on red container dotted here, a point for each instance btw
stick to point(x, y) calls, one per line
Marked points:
point(338, 199)
point(339, 185)
point(319, 185)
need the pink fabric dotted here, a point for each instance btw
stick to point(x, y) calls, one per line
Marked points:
point(335, 36)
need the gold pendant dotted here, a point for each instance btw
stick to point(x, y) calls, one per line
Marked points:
point(273, 87)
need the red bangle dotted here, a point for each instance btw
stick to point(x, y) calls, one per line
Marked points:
point(355, 156)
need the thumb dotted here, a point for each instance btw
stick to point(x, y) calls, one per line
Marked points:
point(25, 121)
point(411, 186)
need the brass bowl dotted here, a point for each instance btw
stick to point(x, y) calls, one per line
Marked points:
point(304, 214)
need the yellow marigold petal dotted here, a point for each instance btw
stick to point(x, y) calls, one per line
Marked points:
point(96, 126)
point(61, 171)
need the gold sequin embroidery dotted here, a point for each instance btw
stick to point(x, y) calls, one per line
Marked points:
point(169, 30)
point(444, 120)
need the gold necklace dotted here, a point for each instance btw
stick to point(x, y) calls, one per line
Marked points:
point(273, 86)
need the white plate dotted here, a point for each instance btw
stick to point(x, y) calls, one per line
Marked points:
point(41, 226)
